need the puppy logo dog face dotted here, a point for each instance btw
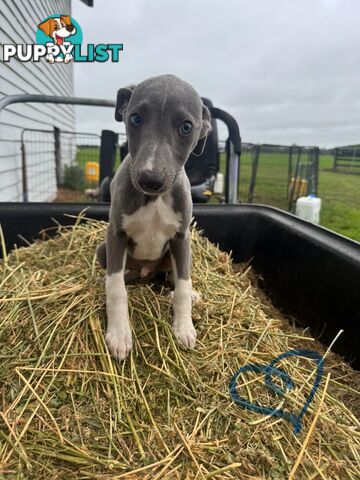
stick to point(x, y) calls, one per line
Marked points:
point(59, 33)
point(58, 28)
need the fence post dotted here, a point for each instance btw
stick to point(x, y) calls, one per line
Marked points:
point(109, 140)
point(24, 173)
point(289, 171)
point(294, 186)
point(58, 172)
point(316, 169)
point(232, 173)
point(335, 159)
point(254, 165)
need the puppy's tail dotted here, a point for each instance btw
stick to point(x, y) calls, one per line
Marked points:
point(101, 254)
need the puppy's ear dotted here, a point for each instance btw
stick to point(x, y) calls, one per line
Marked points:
point(122, 100)
point(66, 19)
point(46, 26)
point(204, 132)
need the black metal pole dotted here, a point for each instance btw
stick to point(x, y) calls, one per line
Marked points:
point(254, 165)
point(299, 178)
point(109, 140)
point(57, 156)
point(24, 173)
point(232, 172)
point(289, 171)
point(335, 159)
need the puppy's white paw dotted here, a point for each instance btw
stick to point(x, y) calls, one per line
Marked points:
point(185, 333)
point(195, 296)
point(119, 341)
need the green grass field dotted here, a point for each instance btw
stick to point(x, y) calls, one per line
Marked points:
point(340, 192)
point(91, 154)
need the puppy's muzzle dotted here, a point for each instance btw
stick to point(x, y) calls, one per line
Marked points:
point(150, 181)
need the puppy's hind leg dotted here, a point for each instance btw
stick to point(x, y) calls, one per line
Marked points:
point(129, 275)
point(101, 254)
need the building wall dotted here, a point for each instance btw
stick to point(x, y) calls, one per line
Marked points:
point(18, 24)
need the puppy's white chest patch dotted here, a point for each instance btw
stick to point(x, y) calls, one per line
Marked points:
point(151, 227)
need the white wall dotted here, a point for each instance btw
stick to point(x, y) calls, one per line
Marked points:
point(18, 24)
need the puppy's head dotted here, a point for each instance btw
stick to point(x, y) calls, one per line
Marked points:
point(58, 28)
point(165, 121)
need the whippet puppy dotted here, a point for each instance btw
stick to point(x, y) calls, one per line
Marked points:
point(151, 206)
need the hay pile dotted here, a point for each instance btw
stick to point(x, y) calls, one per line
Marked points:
point(68, 411)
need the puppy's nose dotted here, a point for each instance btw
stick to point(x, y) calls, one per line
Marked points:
point(69, 28)
point(150, 181)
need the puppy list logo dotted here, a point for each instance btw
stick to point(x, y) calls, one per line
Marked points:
point(58, 39)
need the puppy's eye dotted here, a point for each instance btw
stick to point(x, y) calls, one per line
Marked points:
point(56, 27)
point(135, 119)
point(186, 128)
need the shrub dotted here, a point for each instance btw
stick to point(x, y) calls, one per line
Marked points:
point(73, 177)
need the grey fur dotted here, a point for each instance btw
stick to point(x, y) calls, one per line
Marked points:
point(180, 249)
point(158, 146)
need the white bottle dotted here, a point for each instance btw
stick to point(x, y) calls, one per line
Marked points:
point(219, 183)
point(309, 208)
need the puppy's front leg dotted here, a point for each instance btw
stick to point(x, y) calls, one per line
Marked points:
point(181, 261)
point(118, 335)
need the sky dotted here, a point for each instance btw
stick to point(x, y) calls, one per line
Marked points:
point(287, 70)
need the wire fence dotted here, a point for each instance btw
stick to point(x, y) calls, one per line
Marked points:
point(64, 166)
point(38, 177)
point(48, 165)
point(277, 175)
point(51, 165)
point(10, 170)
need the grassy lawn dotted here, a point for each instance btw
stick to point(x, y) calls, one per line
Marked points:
point(87, 154)
point(271, 179)
point(340, 192)
point(92, 154)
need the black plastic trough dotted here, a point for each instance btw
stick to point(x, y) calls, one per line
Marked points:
point(311, 273)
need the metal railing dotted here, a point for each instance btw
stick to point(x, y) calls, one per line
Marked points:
point(15, 186)
point(32, 98)
point(347, 159)
point(269, 174)
point(108, 152)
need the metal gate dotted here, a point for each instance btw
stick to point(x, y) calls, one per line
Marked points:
point(277, 175)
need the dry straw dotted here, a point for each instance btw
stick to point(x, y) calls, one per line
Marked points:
point(68, 411)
